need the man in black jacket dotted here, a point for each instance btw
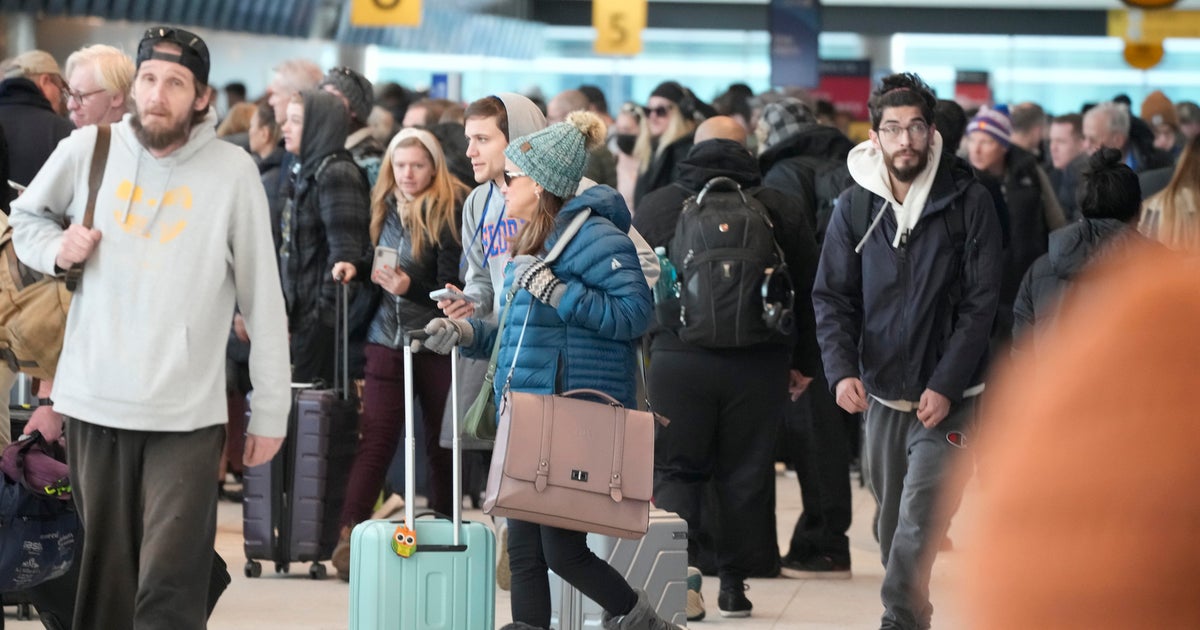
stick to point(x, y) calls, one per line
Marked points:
point(726, 404)
point(905, 296)
point(808, 160)
point(33, 97)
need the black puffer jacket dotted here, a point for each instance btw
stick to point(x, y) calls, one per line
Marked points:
point(659, 212)
point(1072, 249)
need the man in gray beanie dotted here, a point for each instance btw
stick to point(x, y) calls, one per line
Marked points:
point(357, 94)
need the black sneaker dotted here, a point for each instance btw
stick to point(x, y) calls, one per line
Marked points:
point(732, 602)
point(815, 567)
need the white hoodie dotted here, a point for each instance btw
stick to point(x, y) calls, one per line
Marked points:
point(866, 166)
point(183, 237)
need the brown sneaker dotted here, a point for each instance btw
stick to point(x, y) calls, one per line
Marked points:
point(341, 555)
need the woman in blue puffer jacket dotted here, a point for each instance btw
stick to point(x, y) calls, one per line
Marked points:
point(581, 316)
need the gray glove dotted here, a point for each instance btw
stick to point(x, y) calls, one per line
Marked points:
point(445, 333)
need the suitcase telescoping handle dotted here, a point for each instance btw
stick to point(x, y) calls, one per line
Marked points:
point(410, 440)
point(341, 336)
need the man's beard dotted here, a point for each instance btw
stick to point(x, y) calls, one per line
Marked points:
point(907, 174)
point(159, 139)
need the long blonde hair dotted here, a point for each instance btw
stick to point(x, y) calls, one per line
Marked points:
point(1178, 225)
point(433, 211)
point(646, 151)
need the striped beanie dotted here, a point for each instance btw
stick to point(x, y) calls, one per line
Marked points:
point(994, 122)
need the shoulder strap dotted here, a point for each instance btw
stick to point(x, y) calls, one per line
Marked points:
point(860, 212)
point(95, 178)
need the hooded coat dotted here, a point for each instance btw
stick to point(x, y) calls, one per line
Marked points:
point(588, 340)
point(327, 217)
point(30, 126)
point(660, 210)
point(886, 316)
point(1072, 249)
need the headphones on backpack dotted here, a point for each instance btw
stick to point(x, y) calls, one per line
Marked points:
point(778, 299)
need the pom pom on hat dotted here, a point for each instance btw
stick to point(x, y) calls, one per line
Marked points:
point(994, 122)
point(555, 157)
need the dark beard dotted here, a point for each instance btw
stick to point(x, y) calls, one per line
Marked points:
point(159, 140)
point(907, 175)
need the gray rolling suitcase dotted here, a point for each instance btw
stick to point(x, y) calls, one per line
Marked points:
point(655, 563)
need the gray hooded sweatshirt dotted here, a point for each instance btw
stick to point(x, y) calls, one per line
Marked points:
point(184, 237)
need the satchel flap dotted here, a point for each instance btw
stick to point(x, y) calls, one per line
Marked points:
point(585, 441)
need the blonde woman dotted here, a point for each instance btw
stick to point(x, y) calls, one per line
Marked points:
point(666, 138)
point(1171, 217)
point(415, 209)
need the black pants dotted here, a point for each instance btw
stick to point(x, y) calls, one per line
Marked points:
point(312, 353)
point(533, 548)
point(816, 438)
point(725, 409)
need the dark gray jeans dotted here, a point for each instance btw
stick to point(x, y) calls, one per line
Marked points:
point(909, 469)
point(148, 501)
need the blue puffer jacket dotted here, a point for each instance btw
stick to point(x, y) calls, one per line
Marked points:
point(587, 342)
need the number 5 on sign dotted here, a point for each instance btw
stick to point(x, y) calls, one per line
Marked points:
point(619, 25)
point(385, 13)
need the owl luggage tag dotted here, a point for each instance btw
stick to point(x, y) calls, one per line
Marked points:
point(404, 541)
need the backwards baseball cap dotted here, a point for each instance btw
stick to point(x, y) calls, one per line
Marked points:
point(193, 53)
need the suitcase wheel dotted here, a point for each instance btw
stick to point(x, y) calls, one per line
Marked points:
point(253, 569)
point(282, 567)
point(24, 611)
point(317, 571)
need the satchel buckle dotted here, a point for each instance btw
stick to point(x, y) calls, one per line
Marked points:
point(579, 475)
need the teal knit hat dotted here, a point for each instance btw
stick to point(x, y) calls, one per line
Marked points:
point(555, 157)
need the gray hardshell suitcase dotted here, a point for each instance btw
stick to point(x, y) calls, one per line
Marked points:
point(655, 563)
point(293, 503)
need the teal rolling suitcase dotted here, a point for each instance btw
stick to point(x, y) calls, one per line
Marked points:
point(448, 581)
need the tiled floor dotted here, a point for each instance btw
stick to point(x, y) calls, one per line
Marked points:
point(295, 602)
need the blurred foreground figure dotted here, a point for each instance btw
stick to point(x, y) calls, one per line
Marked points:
point(1086, 518)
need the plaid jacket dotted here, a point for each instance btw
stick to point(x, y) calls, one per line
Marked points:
point(326, 219)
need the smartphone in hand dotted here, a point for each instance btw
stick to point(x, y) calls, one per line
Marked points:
point(385, 257)
point(451, 294)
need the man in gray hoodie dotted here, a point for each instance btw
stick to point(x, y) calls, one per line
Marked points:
point(180, 235)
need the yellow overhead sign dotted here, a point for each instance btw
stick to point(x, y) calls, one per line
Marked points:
point(385, 13)
point(619, 25)
point(1153, 26)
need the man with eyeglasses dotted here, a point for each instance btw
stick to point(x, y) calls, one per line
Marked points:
point(905, 296)
point(180, 236)
point(98, 79)
point(32, 103)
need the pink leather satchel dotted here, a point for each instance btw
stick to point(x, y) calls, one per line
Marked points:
point(577, 464)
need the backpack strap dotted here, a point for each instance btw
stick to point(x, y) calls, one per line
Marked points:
point(861, 201)
point(95, 178)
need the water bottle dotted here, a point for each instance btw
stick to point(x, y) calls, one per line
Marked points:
point(666, 289)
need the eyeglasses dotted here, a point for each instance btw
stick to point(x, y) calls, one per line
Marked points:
point(918, 130)
point(661, 111)
point(509, 176)
point(79, 97)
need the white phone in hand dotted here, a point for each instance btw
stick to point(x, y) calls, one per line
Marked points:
point(451, 294)
point(385, 257)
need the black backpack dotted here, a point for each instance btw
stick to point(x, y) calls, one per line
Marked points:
point(734, 287)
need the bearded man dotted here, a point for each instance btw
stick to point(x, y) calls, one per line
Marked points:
point(905, 295)
point(180, 235)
